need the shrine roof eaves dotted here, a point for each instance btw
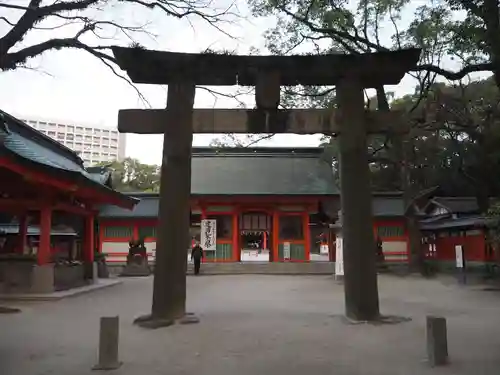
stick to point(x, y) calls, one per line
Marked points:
point(210, 69)
point(383, 206)
point(30, 147)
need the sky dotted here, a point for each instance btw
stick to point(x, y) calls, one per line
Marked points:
point(73, 86)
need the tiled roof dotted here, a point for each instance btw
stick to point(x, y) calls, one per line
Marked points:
point(27, 145)
point(261, 171)
point(449, 223)
point(256, 171)
point(383, 206)
point(388, 206)
point(101, 175)
point(458, 204)
point(146, 208)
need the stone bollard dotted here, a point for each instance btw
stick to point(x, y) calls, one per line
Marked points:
point(437, 342)
point(108, 344)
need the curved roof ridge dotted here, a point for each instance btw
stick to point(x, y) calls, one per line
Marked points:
point(37, 135)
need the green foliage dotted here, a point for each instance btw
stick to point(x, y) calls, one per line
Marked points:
point(454, 143)
point(493, 219)
point(239, 140)
point(130, 175)
point(465, 31)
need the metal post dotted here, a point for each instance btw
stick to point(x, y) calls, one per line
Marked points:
point(108, 344)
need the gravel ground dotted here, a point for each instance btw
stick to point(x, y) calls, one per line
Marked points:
point(254, 324)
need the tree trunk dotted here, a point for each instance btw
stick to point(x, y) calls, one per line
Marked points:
point(169, 289)
point(416, 256)
point(483, 200)
point(401, 147)
point(491, 19)
point(360, 280)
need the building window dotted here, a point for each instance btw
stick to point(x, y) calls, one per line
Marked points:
point(118, 232)
point(224, 226)
point(147, 232)
point(390, 231)
point(291, 227)
point(52, 134)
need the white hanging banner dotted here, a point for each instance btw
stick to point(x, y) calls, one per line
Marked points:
point(459, 256)
point(208, 235)
point(286, 250)
point(339, 256)
point(323, 250)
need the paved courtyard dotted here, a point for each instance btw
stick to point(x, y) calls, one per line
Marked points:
point(255, 324)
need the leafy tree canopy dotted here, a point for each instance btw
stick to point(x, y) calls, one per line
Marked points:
point(130, 175)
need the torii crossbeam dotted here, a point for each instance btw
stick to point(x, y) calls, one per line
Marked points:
point(183, 71)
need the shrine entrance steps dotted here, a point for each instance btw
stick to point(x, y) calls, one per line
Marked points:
point(267, 268)
point(270, 268)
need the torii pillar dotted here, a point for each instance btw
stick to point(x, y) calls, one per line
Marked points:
point(182, 71)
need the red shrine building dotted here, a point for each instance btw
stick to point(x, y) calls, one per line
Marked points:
point(269, 204)
point(451, 222)
point(48, 205)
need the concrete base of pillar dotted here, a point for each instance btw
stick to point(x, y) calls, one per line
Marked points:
point(136, 269)
point(339, 278)
point(42, 279)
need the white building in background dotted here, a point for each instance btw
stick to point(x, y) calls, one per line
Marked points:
point(94, 144)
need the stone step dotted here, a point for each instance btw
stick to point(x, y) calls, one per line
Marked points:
point(286, 268)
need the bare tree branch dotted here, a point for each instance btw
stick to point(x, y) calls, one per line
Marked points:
point(344, 37)
point(34, 13)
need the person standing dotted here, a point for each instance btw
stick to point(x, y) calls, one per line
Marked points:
point(196, 257)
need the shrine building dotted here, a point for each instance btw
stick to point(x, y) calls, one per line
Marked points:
point(269, 205)
point(48, 205)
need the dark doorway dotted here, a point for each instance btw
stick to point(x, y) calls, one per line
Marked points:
point(255, 237)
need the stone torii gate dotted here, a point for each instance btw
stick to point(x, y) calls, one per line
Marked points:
point(351, 74)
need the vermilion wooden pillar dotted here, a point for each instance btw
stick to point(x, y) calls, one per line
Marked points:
point(307, 236)
point(275, 238)
point(135, 231)
point(332, 245)
point(88, 240)
point(43, 255)
point(22, 233)
point(236, 249)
